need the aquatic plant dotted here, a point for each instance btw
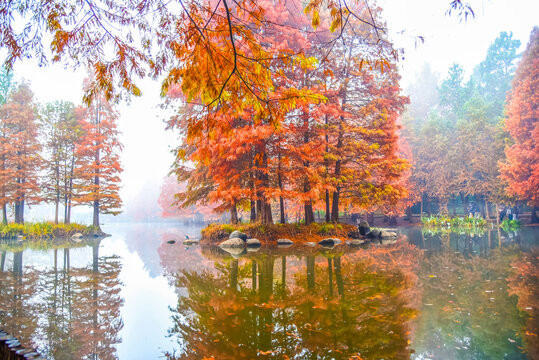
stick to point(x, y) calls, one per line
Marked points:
point(453, 223)
point(510, 225)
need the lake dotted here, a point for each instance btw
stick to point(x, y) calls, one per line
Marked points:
point(430, 295)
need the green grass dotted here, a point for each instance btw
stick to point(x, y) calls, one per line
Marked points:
point(44, 230)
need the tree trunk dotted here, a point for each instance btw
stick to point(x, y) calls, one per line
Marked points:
point(534, 219)
point(253, 211)
point(335, 205)
point(328, 218)
point(487, 212)
point(233, 214)
point(96, 213)
point(497, 216)
point(4, 214)
point(409, 213)
point(56, 207)
point(309, 214)
point(421, 207)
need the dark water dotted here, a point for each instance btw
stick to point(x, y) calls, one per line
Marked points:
point(133, 296)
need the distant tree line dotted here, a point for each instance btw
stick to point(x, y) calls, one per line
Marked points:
point(476, 140)
point(56, 153)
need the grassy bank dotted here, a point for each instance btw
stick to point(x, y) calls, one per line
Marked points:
point(45, 230)
point(215, 233)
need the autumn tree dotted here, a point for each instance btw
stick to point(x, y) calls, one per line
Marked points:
point(6, 83)
point(61, 133)
point(23, 159)
point(97, 165)
point(521, 169)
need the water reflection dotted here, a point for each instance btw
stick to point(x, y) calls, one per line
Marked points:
point(309, 307)
point(431, 295)
point(67, 312)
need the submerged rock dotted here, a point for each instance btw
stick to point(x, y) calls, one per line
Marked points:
point(388, 234)
point(171, 242)
point(237, 234)
point(363, 227)
point(374, 234)
point(232, 243)
point(310, 244)
point(329, 242)
point(234, 251)
point(253, 243)
point(355, 242)
point(190, 241)
point(287, 242)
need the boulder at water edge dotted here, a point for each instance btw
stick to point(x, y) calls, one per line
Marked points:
point(233, 243)
point(329, 242)
point(388, 234)
point(238, 234)
point(284, 242)
point(253, 243)
point(363, 227)
point(374, 234)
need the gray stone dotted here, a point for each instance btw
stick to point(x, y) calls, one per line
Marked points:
point(388, 234)
point(355, 242)
point(284, 242)
point(329, 242)
point(253, 243)
point(374, 234)
point(237, 234)
point(363, 227)
point(77, 235)
point(232, 243)
point(310, 244)
point(253, 249)
point(388, 241)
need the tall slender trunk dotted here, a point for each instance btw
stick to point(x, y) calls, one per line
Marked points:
point(233, 213)
point(308, 204)
point(4, 213)
point(253, 211)
point(337, 174)
point(487, 211)
point(497, 215)
point(280, 183)
point(534, 219)
point(328, 215)
point(97, 160)
point(421, 207)
point(266, 215)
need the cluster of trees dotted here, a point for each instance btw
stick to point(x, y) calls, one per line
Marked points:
point(327, 137)
point(56, 153)
point(467, 142)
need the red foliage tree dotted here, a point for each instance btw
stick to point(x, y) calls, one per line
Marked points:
point(22, 161)
point(98, 161)
point(521, 171)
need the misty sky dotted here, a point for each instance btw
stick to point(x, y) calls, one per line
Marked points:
point(146, 156)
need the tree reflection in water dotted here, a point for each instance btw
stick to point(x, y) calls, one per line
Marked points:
point(324, 306)
point(67, 312)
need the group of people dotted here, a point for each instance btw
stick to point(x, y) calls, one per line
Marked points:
point(511, 212)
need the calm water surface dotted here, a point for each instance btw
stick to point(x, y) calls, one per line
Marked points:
point(133, 296)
